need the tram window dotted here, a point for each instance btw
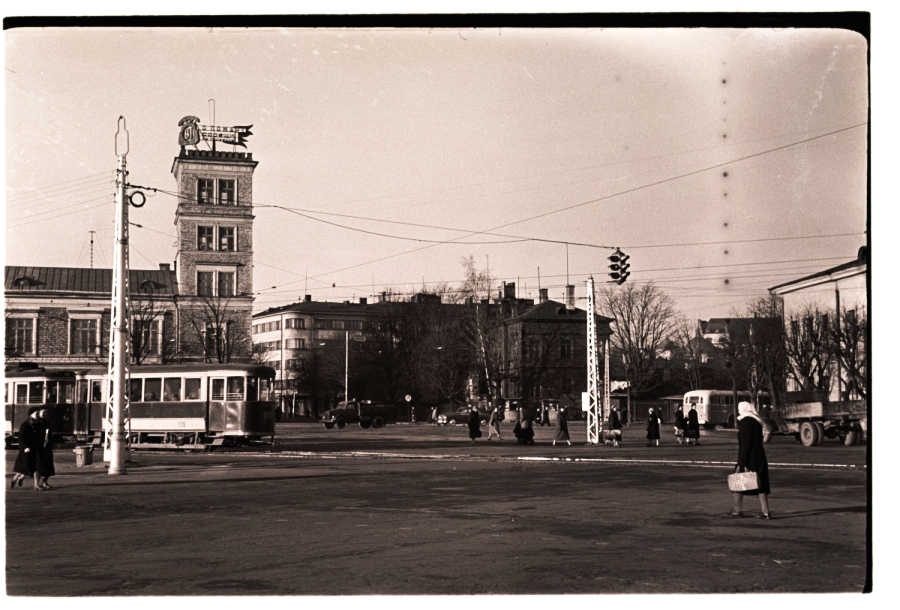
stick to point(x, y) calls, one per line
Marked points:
point(21, 393)
point(152, 389)
point(67, 392)
point(218, 389)
point(265, 389)
point(51, 393)
point(96, 391)
point(253, 388)
point(134, 389)
point(235, 388)
point(172, 389)
point(192, 388)
point(35, 392)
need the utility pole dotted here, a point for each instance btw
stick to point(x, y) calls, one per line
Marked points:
point(347, 366)
point(593, 408)
point(117, 401)
point(92, 247)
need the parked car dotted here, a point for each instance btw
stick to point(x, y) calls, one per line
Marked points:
point(365, 413)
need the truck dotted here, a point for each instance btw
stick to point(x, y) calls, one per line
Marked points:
point(811, 418)
point(366, 413)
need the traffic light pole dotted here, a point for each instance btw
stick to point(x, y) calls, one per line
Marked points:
point(593, 406)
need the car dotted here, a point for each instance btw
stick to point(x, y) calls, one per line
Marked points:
point(340, 417)
point(459, 416)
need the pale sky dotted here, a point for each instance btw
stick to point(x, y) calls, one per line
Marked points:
point(610, 137)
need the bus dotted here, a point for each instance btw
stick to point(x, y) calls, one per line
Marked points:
point(715, 407)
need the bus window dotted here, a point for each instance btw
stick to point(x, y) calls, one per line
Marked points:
point(152, 389)
point(192, 388)
point(35, 392)
point(134, 389)
point(217, 389)
point(252, 389)
point(172, 389)
point(235, 388)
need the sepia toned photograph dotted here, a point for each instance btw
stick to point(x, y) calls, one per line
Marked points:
point(507, 305)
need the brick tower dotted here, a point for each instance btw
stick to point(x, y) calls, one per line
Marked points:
point(214, 220)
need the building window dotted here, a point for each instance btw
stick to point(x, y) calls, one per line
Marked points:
point(216, 282)
point(205, 238)
point(295, 343)
point(20, 335)
point(297, 323)
point(226, 192)
point(227, 241)
point(565, 348)
point(83, 336)
point(205, 191)
point(145, 336)
point(226, 283)
point(205, 283)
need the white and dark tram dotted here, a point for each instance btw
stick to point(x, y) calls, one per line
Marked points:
point(177, 406)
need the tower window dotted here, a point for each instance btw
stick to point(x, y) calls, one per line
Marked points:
point(216, 282)
point(204, 238)
point(205, 191)
point(226, 192)
point(226, 239)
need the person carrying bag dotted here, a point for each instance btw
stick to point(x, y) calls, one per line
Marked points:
point(751, 476)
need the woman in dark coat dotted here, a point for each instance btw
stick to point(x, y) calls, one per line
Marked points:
point(562, 430)
point(615, 427)
point(44, 462)
point(652, 428)
point(693, 427)
point(752, 457)
point(30, 441)
point(474, 424)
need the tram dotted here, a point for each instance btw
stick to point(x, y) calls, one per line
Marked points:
point(183, 406)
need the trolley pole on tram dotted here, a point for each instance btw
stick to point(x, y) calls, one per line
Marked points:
point(115, 447)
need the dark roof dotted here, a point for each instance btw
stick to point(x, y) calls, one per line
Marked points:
point(555, 311)
point(81, 280)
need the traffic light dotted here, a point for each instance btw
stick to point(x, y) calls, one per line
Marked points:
point(618, 268)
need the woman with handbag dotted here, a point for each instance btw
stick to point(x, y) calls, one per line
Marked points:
point(752, 458)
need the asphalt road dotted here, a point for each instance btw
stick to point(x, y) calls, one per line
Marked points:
point(413, 509)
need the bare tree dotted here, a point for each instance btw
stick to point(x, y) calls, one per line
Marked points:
point(645, 318)
point(689, 343)
point(850, 340)
point(809, 349)
point(219, 328)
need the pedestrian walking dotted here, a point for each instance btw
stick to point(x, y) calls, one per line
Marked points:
point(751, 457)
point(434, 414)
point(680, 426)
point(474, 423)
point(615, 427)
point(524, 429)
point(652, 428)
point(545, 415)
point(693, 427)
point(26, 458)
point(44, 463)
point(562, 426)
point(494, 423)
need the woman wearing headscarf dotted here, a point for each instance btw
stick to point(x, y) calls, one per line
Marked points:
point(30, 441)
point(752, 457)
point(474, 423)
point(44, 459)
point(652, 428)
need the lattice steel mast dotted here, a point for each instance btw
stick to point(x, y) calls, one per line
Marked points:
point(117, 400)
point(593, 406)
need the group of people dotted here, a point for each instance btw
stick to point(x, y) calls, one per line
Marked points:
point(687, 428)
point(34, 459)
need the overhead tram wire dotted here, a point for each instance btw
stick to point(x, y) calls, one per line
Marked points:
point(433, 243)
point(611, 195)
